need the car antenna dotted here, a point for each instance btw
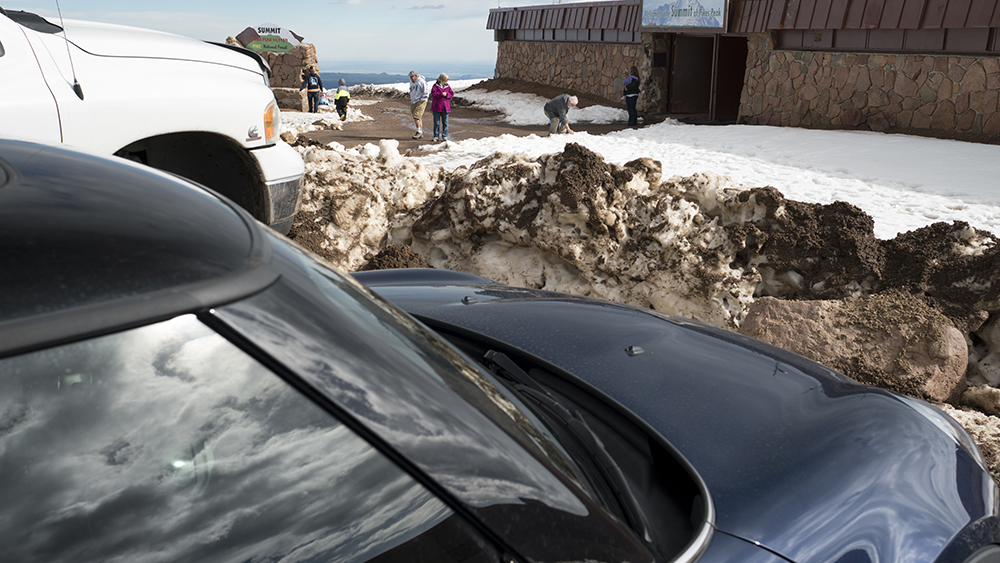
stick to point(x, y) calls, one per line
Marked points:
point(76, 84)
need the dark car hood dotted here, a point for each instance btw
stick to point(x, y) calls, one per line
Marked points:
point(797, 457)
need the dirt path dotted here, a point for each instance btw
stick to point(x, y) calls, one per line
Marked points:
point(391, 120)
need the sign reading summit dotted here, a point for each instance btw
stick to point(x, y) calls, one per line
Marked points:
point(268, 38)
point(701, 14)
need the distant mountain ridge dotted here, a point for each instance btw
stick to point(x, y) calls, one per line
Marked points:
point(330, 78)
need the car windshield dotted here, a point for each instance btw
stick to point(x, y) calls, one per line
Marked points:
point(390, 370)
point(463, 376)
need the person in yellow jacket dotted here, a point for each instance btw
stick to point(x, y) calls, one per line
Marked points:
point(341, 99)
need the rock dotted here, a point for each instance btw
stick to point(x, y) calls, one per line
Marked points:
point(983, 398)
point(984, 355)
point(291, 99)
point(985, 430)
point(892, 340)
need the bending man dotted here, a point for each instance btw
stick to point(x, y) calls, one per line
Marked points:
point(556, 110)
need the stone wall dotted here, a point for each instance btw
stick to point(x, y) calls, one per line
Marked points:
point(592, 68)
point(288, 69)
point(291, 98)
point(654, 80)
point(938, 95)
point(287, 72)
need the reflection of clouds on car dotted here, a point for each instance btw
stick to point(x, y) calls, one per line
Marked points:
point(395, 408)
point(189, 461)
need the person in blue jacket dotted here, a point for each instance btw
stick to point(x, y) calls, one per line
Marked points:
point(313, 85)
point(630, 93)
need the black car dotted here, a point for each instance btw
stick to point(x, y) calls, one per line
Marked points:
point(181, 384)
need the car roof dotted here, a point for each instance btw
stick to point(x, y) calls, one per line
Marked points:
point(80, 231)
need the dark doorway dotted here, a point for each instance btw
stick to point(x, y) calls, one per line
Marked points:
point(730, 69)
point(691, 76)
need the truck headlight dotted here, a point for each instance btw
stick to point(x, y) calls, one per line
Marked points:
point(272, 122)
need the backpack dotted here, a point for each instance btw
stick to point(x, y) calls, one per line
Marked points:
point(632, 87)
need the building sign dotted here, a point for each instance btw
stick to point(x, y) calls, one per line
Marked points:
point(698, 14)
point(268, 38)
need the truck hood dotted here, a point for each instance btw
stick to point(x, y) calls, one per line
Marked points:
point(797, 457)
point(111, 40)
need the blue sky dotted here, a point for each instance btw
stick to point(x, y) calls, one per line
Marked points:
point(350, 35)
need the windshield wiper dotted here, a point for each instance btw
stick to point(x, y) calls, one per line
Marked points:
point(574, 423)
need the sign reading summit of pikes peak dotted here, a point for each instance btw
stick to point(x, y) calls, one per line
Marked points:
point(268, 38)
point(704, 14)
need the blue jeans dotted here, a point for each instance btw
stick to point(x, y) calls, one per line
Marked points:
point(441, 119)
point(313, 101)
point(633, 116)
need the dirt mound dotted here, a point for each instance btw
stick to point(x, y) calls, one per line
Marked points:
point(395, 256)
point(832, 247)
point(953, 264)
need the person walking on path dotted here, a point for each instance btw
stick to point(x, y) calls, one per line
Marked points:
point(441, 96)
point(314, 84)
point(630, 93)
point(418, 101)
point(341, 99)
point(556, 110)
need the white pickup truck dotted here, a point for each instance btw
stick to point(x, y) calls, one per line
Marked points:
point(200, 110)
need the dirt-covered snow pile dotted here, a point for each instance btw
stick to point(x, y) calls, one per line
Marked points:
point(701, 246)
point(571, 222)
point(356, 203)
point(378, 91)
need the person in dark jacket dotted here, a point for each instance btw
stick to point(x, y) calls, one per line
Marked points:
point(341, 98)
point(556, 110)
point(313, 85)
point(630, 93)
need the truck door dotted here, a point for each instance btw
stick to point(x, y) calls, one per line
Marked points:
point(28, 109)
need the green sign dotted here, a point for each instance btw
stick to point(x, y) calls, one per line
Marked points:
point(270, 44)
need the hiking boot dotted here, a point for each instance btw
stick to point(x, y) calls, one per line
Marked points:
point(417, 135)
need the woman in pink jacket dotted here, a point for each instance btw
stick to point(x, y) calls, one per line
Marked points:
point(441, 96)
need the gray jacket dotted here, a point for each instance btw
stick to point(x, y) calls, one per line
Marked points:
point(418, 90)
point(558, 107)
